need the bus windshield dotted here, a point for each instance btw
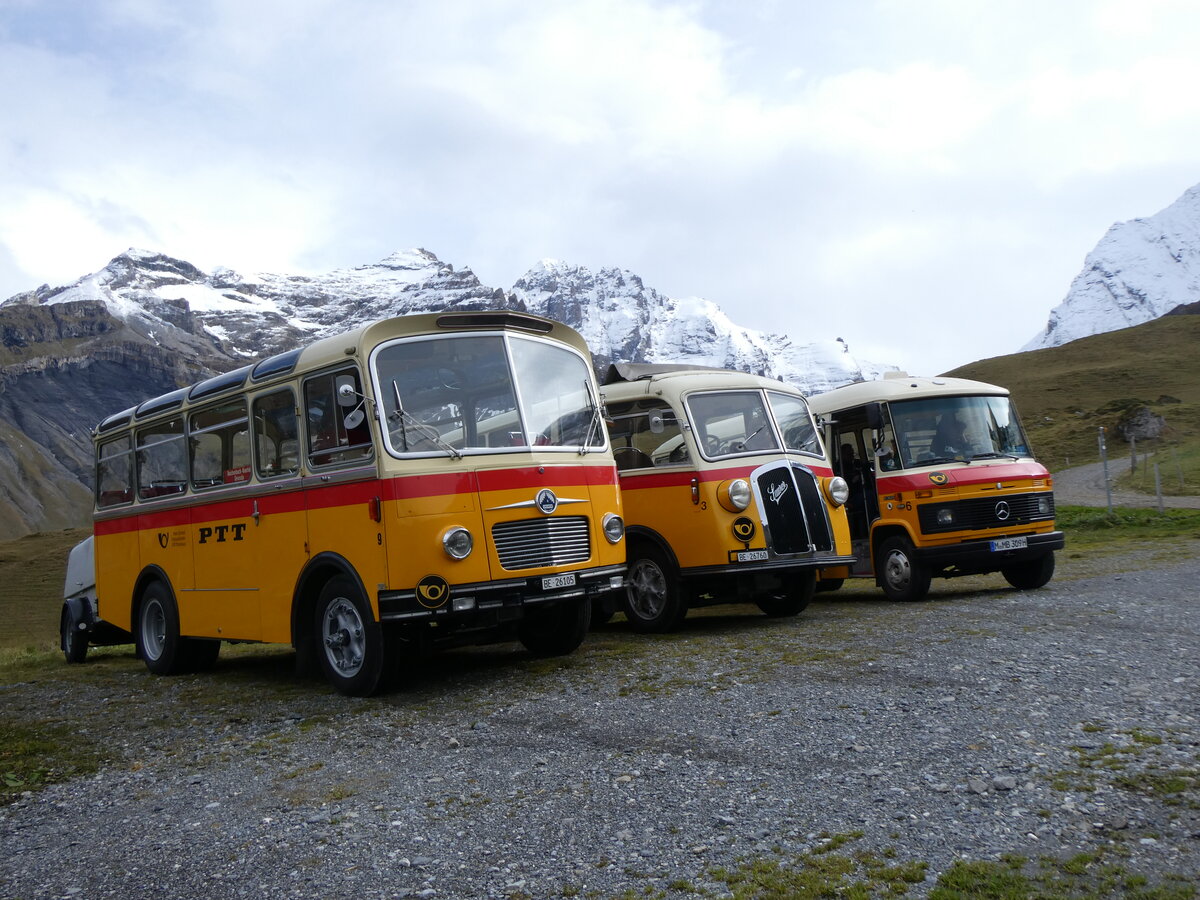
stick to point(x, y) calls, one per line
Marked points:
point(485, 393)
point(732, 422)
point(948, 429)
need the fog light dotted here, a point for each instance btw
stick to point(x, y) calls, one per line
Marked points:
point(945, 517)
point(462, 604)
point(458, 543)
point(614, 528)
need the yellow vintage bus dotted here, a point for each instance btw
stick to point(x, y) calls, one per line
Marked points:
point(729, 496)
point(420, 482)
point(942, 483)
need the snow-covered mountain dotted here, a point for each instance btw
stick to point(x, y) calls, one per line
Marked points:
point(147, 323)
point(1140, 270)
point(169, 300)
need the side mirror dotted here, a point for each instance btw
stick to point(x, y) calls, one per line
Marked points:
point(346, 394)
point(656, 423)
point(874, 415)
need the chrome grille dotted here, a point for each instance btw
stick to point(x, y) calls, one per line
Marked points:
point(534, 543)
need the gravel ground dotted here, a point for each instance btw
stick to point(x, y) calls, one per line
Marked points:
point(1084, 486)
point(981, 722)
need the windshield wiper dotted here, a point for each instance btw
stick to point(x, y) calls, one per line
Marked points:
point(426, 431)
point(994, 455)
point(597, 419)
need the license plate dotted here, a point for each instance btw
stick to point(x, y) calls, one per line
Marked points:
point(751, 555)
point(550, 582)
point(1010, 544)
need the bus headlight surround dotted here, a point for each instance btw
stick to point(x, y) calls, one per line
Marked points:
point(1043, 505)
point(838, 490)
point(945, 516)
point(457, 542)
point(734, 495)
point(613, 527)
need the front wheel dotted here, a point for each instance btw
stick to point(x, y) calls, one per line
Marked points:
point(350, 642)
point(1029, 575)
point(555, 630)
point(901, 575)
point(797, 593)
point(653, 598)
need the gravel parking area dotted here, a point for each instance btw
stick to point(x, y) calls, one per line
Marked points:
point(982, 722)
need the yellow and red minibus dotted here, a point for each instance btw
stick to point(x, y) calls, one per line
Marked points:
point(419, 482)
point(728, 494)
point(942, 481)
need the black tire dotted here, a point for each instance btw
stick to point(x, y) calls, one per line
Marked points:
point(654, 601)
point(156, 632)
point(900, 573)
point(200, 654)
point(828, 585)
point(350, 642)
point(797, 593)
point(74, 640)
point(555, 630)
point(1029, 575)
point(602, 612)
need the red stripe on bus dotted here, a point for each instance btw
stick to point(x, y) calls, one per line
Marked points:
point(634, 481)
point(310, 496)
point(960, 476)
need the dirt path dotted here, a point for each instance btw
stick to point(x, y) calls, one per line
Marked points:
point(1084, 486)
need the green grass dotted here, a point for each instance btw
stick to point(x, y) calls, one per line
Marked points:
point(1096, 527)
point(1178, 469)
point(1087, 876)
point(32, 756)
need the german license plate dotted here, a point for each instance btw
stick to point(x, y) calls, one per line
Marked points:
point(751, 556)
point(1010, 544)
point(552, 582)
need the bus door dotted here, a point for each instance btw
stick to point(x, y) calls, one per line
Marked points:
point(856, 447)
point(343, 494)
point(228, 558)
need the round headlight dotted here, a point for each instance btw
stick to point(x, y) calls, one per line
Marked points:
point(458, 543)
point(734, 495)
point(945, 517)
point(614, 528)
point(839, 490)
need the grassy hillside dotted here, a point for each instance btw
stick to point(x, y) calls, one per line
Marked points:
point(1066, 393)
point(32, 571)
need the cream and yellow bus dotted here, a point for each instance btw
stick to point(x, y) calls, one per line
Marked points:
point(942, 483)
point(420, 482)
point(728, 494)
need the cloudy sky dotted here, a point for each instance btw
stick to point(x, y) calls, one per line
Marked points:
point(922, 178)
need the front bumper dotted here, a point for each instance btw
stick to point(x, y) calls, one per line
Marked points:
point(503, 600)
point(979, 556)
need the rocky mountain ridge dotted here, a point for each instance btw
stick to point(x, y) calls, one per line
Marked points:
point(147, 323)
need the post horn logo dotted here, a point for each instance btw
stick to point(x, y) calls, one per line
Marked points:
point(432, 591)
point(743, 528)
point(938, 477)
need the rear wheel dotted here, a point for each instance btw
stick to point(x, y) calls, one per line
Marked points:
point(350, 641)
point(901, 574)
point(653, 598)
point(797, 593)
point(74, 638)
point(555, 630)
point(1029, 575)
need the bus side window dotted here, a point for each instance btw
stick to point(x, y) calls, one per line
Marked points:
point(162, 465)
point(220, 446)
point(275, 434)
point(645, 434)
point(114, 473)
point(330, 440)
